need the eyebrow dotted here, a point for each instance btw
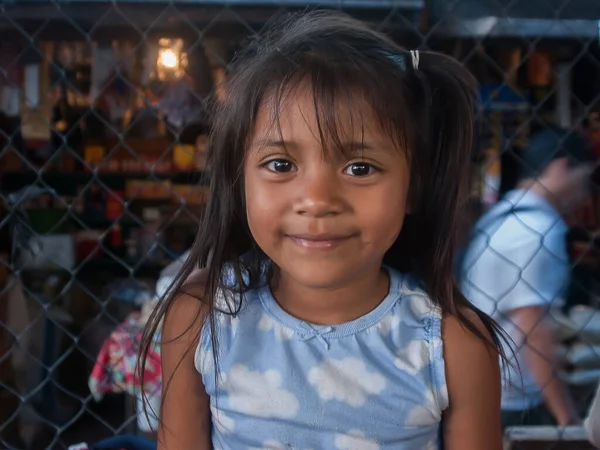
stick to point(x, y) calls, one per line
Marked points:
point(351, 146)
point(273, 143)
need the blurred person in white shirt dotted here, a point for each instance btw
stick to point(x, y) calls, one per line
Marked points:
point(515, 268)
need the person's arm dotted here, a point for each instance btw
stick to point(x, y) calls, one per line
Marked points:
point(540, 357)
point(592, 422)
point(541, 267)
point(472, 419)
point(185, 421)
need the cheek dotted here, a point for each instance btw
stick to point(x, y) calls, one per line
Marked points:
point(382, 225)
point(262, 207)
point(382, 220)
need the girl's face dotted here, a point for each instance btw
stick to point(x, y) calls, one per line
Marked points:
point(322, 215)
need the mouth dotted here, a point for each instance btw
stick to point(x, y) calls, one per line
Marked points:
point(320, 241)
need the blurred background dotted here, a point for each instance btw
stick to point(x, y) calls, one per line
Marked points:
point(102, 149)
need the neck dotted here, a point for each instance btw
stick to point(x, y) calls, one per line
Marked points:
point(332, 305)
point(538, 188)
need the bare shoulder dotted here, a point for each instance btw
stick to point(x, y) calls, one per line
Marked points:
point(457, 334)
point(465, 349)
point(186, 313)
point(195, 284)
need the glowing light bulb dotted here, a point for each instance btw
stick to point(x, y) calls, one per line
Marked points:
point(168, 59)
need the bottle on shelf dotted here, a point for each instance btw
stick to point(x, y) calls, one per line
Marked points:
point(66, 136)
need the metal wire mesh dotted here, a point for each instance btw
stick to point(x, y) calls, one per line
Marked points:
point(102, 127)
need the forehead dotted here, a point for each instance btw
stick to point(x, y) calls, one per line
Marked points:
point(301, 113)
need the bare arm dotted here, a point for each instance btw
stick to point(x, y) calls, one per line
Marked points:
point(185, 415)
point(472, 420)
point(539, 351)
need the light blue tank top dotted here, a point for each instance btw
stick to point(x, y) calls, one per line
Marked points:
point(377, 382)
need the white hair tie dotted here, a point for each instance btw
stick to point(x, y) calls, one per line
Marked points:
point(414, 54)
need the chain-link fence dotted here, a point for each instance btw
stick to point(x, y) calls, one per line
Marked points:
point(103, 130)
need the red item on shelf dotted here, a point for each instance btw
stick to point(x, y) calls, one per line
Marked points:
point(86, 245)
point(116, 236)
point(114, 205)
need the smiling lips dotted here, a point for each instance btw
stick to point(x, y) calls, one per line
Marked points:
point(321, 241)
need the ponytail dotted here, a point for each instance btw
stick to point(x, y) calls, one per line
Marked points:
point(443, 99)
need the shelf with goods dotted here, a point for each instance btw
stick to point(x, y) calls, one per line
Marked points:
point(107, 243)
point(68, 181)
point(150, 230)
point(116, 136)
point(105, 234)
point(137, 191)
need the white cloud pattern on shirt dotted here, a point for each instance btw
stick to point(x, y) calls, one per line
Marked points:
point(221, 421)
point(203, 358)
point(426, 413)
point(204, 361)
point(267, 323)
point(354, 440)
point(388, 323)
point(346, 380)
point(413, 357)
point(421, 416)
point(259, 394)
point(420, 305)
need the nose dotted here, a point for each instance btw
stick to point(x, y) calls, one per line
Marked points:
point(319, 195)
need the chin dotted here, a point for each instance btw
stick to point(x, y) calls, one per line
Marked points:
point(320, 276)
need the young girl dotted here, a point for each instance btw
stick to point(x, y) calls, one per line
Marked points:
point(325, 315)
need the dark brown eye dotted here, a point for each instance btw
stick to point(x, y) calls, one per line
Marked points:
point(359, 169)
point(280, 165)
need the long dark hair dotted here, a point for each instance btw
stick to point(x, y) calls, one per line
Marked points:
point(427, 108)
